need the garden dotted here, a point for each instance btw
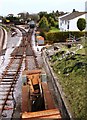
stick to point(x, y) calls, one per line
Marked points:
point(71, 70)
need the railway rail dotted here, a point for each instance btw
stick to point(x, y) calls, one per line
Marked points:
point(2, 37)
point(11, 73)
point(8, 80)
point(40, 99)
point(7, 84)
point(30, 59)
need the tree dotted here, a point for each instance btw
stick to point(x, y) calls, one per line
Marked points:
point(51, 21)
point(43, 23)
point(81, 24)
point(57, 13)
point(41, 14)
point(34, 17)
point(24, 16)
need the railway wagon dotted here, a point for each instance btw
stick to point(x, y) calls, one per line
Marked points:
point(37, 102)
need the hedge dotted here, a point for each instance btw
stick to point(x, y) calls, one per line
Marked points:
point(53, 37)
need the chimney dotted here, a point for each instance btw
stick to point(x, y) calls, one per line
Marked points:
point(74, 10)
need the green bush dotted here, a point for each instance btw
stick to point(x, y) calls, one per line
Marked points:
point(53, 37)
point(81, 24)
point(56, 36)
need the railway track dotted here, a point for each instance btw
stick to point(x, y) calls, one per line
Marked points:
point(11, 73)
point(8, 80)
point(30, 59)
point(7, 84)
point(40, 99)
point(32, 64)
point(2, 38)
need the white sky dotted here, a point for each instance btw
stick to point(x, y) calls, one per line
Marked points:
point(35, 6)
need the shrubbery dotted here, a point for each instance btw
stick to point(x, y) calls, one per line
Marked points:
point(81, 24)
point(53, 37)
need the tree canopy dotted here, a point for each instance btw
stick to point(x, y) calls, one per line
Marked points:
point(43, 23)
point(51, 21)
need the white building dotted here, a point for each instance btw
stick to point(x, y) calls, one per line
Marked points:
point(0, 21)
point(68, 22)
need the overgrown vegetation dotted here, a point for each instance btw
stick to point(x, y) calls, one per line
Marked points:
point(72, 72)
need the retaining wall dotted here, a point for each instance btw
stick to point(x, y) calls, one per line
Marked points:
point(62, 102)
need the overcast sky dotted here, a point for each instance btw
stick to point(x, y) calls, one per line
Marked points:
point(35, 6)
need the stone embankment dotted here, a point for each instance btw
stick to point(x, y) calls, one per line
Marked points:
point(60, 96)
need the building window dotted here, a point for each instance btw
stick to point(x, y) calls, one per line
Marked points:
point(68, 25)
point(61, 23)
point(65, 22)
